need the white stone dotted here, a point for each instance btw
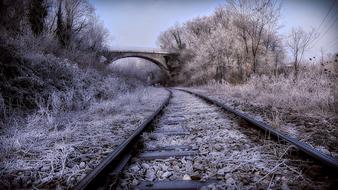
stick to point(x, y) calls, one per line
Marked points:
point(198, 166)
point(227, 176)
point(135, 182)
point(230, 182)
point(285, 186)
point(221, 172)
point(159, 174)
point(218, 147)
point(145, 165)
point(150, 175)
point(45, 168)
point(82, 165)
point(164, 168)
point(186, 177)
point(189, 167)
point(166, 175)
point(134, 168)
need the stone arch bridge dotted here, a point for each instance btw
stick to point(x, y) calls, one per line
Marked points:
point(161, 58)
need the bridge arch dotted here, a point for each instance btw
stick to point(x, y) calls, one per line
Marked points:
point(159, 58)
point(156, 62)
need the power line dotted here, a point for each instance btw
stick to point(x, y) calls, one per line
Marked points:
point(327, 14)
point(320, 36)
point(335, 43)
point(328, 29)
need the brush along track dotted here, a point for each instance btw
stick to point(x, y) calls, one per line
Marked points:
point(114, 162)
point(197, 145)
point(306, 148)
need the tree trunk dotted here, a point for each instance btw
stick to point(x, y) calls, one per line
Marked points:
point(296, 67)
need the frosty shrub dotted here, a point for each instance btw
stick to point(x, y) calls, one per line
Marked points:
point(312, 92)
point(47, 89)
point(34, 79)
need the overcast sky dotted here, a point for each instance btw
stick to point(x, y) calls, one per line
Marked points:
point(138, 23)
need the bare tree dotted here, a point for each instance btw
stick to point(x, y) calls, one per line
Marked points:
point(279, 56)
point(60, 31)
point(94, 35)
point(253, 19)
point(172, 39)
point(76, 25)
point(36, 16)
point(77, 15)
point(221, 17)
point(299, 42)
point(230, 42)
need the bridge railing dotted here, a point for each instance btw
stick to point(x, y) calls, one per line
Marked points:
point(140, 49)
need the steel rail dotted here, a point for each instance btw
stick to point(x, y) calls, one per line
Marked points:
point(306, 148)
point(95, 178)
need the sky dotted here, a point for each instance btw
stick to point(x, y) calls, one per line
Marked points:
point(136, 24)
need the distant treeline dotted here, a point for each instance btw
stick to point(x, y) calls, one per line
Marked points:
point(240, 39)
point(71, 22)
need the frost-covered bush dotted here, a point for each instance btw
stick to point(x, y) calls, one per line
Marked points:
point(312, 92)
point(31, 77)
point(46, 91)
point(34, 79)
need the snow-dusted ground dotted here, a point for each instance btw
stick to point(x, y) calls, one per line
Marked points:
point(316, 130)
point(35, 156)
point(229, 151)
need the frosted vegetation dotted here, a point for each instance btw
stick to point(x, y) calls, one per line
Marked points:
point(61, 110)
point(312, 94)
point(55, 147)
point(239, 51)
point(238, 56)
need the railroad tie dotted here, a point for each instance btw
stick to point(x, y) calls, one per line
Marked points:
point(166, 148)
point(166, 154)
point(181, 116)
point(171, 122)
point(171, 132)
point(175, 184)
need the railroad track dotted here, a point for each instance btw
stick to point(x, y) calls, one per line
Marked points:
point(194, 144)
point(306, 148)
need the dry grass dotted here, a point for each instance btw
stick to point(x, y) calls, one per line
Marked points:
point(305, 108)
point(51, 148)
point(311, 94)
point(59, 114)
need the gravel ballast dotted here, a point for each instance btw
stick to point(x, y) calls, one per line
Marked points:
point(229, 151)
